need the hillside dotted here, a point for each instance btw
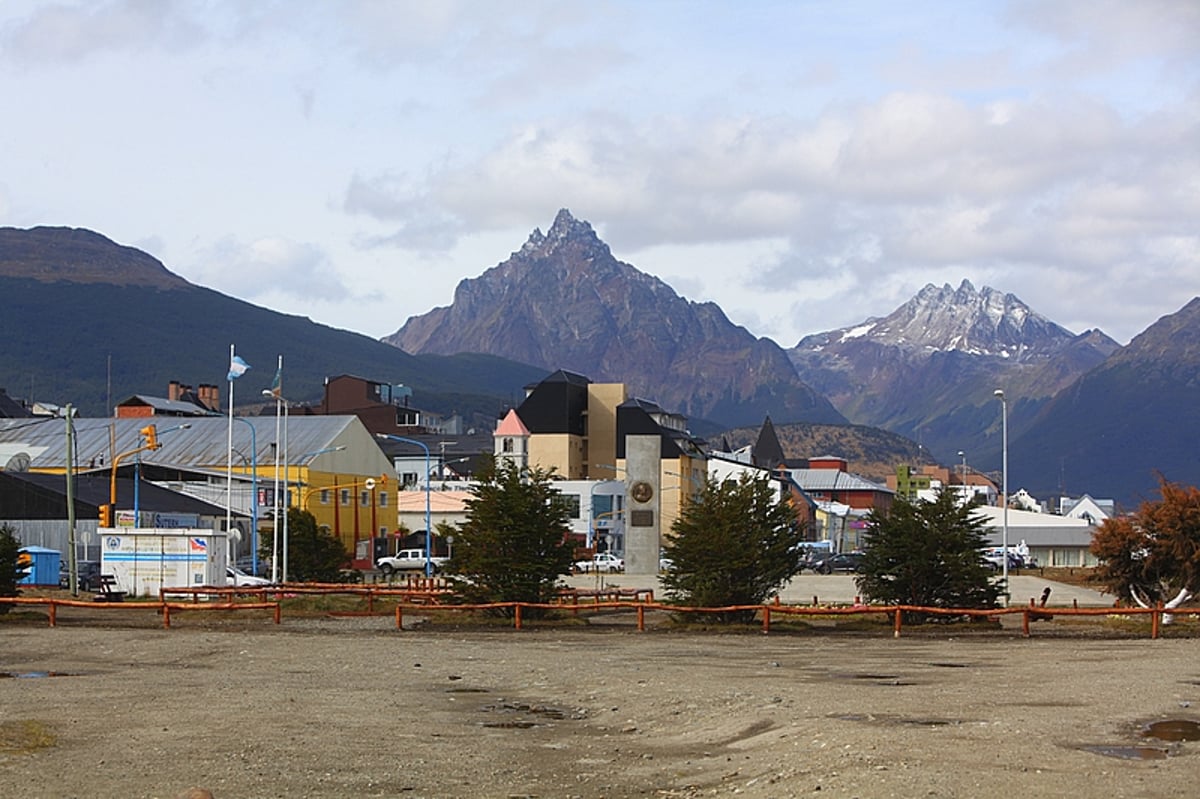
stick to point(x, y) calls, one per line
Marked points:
point(869, 451)
point(1123, 422)
point(127, 310)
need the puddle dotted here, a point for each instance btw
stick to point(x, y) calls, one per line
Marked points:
point(1172, 730)
point(1128, 752)
point(542, 713)
point(878, 679)
point(27, 675)
point(466, 690)
point(897, 720)
point(949, 665)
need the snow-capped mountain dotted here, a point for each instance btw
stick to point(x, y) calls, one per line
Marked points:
point(929, 369)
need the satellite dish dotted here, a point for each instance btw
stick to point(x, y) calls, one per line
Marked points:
point(18, 463)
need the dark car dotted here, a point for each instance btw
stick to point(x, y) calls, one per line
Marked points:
point(88, 571)
point(841, 562)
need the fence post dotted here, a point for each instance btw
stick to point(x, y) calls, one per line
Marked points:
point(767, 618)
point(896, 624)
point(399, 616)
point(166, 616)
point(53, 613)
point(1154, 619)
point(641, 618)
point(517, 615)
point(1025, 622)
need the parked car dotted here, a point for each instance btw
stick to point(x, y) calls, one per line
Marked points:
point(408, 560)
point(841, 562)
point(88, 572)
point(246, 564)
point(601, 562)
point(994, 558)
point(238, 578)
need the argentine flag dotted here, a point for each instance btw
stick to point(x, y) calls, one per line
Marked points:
point(237, 368)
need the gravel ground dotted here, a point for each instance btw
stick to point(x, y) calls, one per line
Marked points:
point(351, 707)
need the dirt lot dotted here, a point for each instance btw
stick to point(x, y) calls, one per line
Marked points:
point(350, 707)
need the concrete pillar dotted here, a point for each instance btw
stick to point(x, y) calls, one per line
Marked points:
point(643, 510)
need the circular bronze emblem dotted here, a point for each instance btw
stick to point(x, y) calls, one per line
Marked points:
point(642, 491)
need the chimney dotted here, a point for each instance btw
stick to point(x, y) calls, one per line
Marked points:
point(173, 390)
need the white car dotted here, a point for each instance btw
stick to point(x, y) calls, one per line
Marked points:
point(239, 579)
point(601, 562)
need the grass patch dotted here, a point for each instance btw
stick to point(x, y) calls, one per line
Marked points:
point(25, 736)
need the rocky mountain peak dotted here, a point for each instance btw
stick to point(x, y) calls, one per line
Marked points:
point(567, 233)
point(963, 319)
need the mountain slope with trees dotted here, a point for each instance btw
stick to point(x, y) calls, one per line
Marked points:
point(127, 311)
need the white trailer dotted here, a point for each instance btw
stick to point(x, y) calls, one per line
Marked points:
point(143, 560)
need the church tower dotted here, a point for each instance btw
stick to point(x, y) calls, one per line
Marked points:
point(511, 443)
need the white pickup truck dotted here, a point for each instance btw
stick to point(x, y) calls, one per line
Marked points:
point(408, 560)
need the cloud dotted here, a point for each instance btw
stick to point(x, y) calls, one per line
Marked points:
point(269, 266)
point(55, 33)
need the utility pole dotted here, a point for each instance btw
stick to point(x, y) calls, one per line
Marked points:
point(72, 558)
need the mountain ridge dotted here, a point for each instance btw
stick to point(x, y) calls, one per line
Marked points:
point(563, 301)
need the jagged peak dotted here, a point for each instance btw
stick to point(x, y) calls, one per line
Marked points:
point(566, 229)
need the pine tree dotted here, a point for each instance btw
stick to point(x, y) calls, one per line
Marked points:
point(738, 544)
point(513, 546)
point(928, 554)
point(314, 554)
point(11, 572)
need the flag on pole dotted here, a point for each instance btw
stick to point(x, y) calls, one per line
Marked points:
point(237, 367)
point(277, 383)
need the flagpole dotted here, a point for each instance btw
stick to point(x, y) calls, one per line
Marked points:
point(229, 461)
point(277, 390)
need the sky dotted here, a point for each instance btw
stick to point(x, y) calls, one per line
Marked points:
point(804, 165)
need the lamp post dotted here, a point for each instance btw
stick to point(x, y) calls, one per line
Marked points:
point(428, 514)
point(281, 410)
point(1004, 482)
point(963, 479)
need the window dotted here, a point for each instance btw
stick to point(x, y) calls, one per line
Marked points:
point(364, 499)
point(383, 499)
point(572, 503)
point(507, 446)
point(344, 496)
point(324, 496)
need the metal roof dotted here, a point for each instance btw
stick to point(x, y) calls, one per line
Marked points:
point(834, 480)
point(204, 442)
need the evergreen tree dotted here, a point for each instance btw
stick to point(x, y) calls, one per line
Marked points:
point(314, 554)
point(737, 544)
point(929, 554)
point(11, 572)
point(513, 546)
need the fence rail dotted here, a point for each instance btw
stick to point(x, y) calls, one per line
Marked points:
point(622, 600)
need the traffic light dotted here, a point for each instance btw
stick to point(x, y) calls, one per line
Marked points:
point(105, 516)
point(150, 433)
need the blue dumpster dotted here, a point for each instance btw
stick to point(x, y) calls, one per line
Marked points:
point(42, 565)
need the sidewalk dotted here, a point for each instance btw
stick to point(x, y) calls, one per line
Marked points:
point(840, 588)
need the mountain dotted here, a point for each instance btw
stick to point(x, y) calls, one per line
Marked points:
point(74, 301)
point(1133, 416)
point(564, 302)
point(869, 451)
point(929, 369)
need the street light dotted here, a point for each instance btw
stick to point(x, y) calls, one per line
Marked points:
point(281, 409)
point(1004, 481)
point(963, 480)
point(428, 514)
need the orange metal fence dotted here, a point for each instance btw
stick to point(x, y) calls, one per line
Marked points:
point(621, 600)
